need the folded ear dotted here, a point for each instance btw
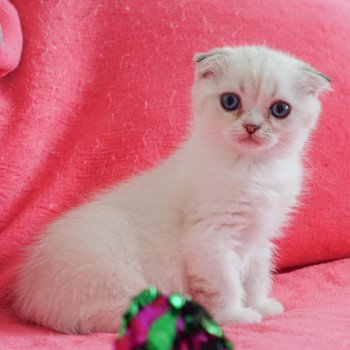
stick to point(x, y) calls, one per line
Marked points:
point(210, 64)
point(314, 82)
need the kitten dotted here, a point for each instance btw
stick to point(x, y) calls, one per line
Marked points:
point(202, 222)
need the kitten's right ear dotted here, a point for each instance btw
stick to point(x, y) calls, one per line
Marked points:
point(314, 82)
point(209, 64)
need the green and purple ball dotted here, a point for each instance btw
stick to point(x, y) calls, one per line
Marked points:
point(155, 321)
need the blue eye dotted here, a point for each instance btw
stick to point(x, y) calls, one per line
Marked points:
point(280, 109)
point(230, 101)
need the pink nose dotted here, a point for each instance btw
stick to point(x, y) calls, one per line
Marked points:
point(251, 128)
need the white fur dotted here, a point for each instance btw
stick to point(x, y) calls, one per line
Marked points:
point(201, 222)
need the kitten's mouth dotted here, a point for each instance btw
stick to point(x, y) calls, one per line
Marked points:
point(250, 140)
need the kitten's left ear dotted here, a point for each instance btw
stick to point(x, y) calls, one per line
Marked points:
point(209, 64)
point(315, 82)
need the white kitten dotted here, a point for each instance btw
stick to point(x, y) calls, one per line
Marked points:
point(201, 222)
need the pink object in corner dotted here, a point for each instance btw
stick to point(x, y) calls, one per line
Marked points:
point(11, 38)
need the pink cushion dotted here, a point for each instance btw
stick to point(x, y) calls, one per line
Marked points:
point(102, 91)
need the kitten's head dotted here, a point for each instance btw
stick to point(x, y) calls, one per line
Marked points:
point(255, 100)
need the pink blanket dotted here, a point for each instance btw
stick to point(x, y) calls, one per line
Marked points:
point(317, 316)
point(101, 92)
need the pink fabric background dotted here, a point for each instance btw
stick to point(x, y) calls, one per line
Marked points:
point(102, 91)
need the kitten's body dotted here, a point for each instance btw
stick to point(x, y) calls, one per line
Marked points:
point(201, 222)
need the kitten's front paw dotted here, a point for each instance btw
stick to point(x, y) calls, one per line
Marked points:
point(269, 307)
point(242, 314)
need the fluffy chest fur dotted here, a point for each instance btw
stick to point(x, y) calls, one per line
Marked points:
point(250, 199)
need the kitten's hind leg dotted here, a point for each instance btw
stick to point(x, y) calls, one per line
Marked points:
point(88, 295)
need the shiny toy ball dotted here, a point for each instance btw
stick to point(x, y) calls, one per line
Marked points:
point(155, 321)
